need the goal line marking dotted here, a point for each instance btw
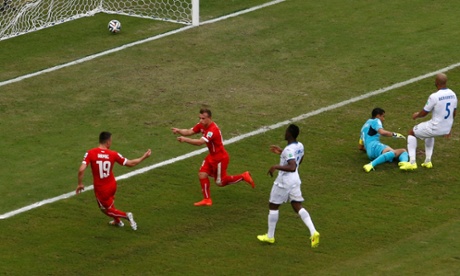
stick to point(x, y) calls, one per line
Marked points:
point(240, 137)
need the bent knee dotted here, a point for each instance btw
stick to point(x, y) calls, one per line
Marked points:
point(398, 152)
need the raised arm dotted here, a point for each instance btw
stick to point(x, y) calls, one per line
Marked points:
point(276, 149)
point(134, 162)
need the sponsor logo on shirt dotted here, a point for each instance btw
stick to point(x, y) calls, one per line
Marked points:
point(209, 134)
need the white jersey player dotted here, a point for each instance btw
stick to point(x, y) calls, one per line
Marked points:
point(293, 151)
point(287, 186)
point(443, 106)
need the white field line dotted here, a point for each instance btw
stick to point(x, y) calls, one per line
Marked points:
point(242, 12)
point(123, 47)
point(91, 57)
point(240, 137)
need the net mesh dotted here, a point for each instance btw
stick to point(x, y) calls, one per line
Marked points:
point(22, 16)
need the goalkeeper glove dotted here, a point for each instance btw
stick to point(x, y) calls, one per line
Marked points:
point(398, 135)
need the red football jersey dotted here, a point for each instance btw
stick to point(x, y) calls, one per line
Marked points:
point(101, 162)
point(213, 138)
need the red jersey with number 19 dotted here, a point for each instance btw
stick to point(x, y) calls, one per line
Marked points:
point(213, 138)
point(101, 162)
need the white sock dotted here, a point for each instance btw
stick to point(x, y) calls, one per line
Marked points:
point(305, 216)
point(429, 147)
point(411, 147)
point(272, 220)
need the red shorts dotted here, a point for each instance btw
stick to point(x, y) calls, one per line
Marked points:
point(106, 196)
point(215, 168)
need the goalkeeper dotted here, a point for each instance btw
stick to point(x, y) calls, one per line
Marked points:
point(369, 142)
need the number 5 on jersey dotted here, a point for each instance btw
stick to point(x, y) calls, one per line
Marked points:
point(448, 110)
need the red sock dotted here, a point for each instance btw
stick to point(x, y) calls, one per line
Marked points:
point(115, 213)
point(205, 189)
point(231, 179)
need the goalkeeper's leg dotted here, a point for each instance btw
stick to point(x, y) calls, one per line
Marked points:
point(385, 157)
point(404, 157)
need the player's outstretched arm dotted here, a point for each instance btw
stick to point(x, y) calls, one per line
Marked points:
point(134, 162)
point(195, 142)
point(391, 134)
point(398, 136)
point(183, 131)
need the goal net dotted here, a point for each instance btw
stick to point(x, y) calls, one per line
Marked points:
point(22, 16)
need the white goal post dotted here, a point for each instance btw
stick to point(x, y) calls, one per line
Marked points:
point(23, 16)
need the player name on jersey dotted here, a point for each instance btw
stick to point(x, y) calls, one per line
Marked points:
point(102, 156)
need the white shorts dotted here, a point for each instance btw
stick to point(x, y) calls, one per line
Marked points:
point(280, 195)
point(425, 130)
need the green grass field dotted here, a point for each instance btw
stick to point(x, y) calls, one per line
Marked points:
point(253, 70)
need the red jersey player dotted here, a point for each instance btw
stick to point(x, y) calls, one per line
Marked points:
point(216, 162)
point(101, 160)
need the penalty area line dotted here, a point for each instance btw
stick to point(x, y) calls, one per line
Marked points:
point(241, 137)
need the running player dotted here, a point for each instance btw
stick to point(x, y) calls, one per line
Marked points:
point(287, 186)
point(101, 160)
point(216, 162)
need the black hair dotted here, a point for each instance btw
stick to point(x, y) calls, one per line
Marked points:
point(104, 137)
point(293, 130)
point(377, 111)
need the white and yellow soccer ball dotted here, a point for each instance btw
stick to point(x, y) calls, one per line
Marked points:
point(114, 26)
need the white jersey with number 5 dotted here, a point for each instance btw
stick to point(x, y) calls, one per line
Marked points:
point(442, 105)
point(290, 179)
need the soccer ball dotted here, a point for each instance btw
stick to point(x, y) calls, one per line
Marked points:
point(114, 26)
